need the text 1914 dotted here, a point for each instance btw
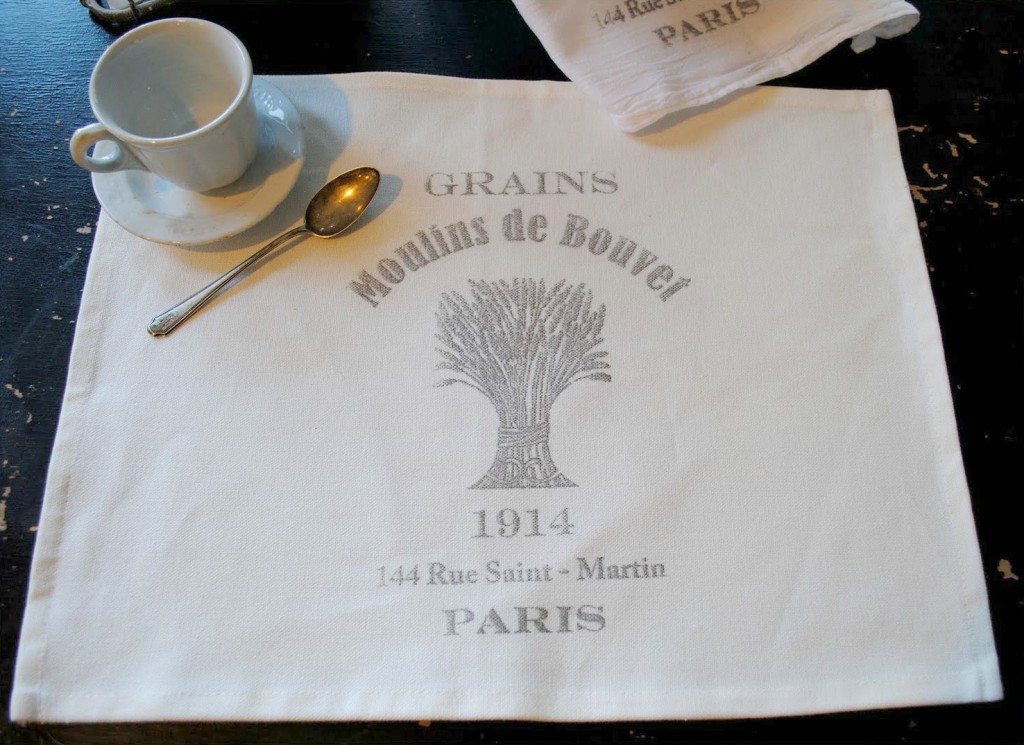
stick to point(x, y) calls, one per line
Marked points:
point(509, 523)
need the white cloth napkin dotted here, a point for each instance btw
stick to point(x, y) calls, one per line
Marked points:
point(643, 59)
point(700, 462)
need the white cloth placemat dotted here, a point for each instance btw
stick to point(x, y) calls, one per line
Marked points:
point(574, 426)
point(643, 59)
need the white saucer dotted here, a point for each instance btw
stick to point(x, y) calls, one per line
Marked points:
point(157, 210)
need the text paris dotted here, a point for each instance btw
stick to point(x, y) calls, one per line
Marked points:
point(706, 22)
point(524, 619)
point(692, 26)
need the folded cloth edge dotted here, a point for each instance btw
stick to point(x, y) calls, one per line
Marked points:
point(632, 117)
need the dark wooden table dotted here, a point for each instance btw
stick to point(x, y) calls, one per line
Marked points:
point(957, 82)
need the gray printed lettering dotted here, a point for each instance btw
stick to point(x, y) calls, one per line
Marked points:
point(479, 179)
point(599, 241)
point(575, 233)
point(536, 228)
point(645, 259)
point(458, 233)
point(411, 256)
point(438, 237)
point(622, 252)
point(391, 270)
point(673, 289)
point(663, 272)
point(367, 286)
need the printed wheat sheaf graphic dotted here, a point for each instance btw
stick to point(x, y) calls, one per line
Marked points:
point(521, 344)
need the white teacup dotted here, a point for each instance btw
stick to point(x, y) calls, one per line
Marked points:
point(174, 97)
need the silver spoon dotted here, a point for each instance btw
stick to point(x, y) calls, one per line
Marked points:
point(337, 205)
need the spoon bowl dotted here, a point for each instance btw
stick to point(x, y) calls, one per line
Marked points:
point(333, 209)
point(340, 202)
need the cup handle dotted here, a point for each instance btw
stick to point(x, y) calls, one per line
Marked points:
point(89, 135)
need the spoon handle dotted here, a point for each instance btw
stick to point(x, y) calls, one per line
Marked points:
point(169, 320)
